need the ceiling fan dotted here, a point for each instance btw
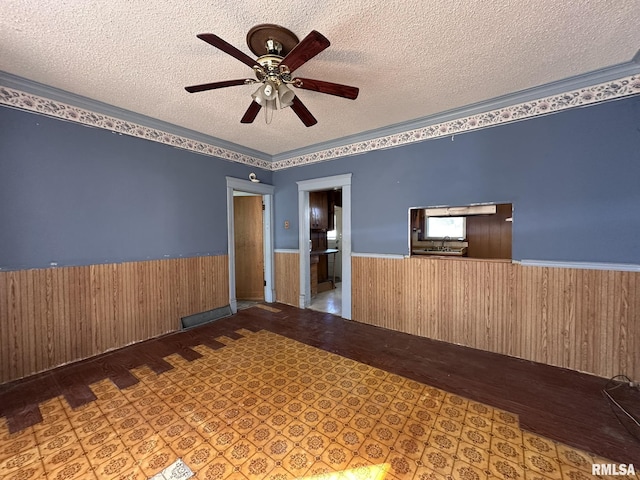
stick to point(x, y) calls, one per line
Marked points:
point(279, 53)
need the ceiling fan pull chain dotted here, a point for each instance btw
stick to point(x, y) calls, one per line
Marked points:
point(268, 111)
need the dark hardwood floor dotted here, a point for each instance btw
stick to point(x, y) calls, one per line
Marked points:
point(560, 404)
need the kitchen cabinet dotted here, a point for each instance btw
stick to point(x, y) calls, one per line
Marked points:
point(490, 236)
point(319, 210)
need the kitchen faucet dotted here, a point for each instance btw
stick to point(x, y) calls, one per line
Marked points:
point(443, 242)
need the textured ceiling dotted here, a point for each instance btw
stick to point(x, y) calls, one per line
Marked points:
point(409, 59)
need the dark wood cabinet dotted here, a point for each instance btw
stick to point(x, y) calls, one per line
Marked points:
point(489, 236)
point(321, 219)
point(319, 210)
point(322, 207)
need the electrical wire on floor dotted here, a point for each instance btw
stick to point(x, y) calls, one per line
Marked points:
point(613, 384)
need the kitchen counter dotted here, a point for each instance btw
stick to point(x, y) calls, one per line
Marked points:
point(328, 251)
point(452, 258)
point(458, 252)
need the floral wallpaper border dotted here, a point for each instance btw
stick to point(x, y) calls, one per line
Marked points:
point(610, 90)
point(577, 98)
point(52, 108)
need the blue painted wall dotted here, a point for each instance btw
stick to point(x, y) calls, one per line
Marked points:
point(75, 195)
point(573, 178)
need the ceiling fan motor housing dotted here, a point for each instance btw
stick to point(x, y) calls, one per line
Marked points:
point(270, 69)
point(273, 47)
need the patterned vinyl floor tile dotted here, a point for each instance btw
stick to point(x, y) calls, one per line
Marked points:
point(268, 407)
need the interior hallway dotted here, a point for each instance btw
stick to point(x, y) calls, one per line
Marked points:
point(550, 403)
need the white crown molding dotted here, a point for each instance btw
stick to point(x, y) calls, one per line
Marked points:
point(611, 90)
point(447, 124)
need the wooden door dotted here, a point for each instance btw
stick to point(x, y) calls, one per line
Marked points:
point(249, 247)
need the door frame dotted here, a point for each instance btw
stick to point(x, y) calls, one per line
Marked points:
point(266, 191)
point(325, 183)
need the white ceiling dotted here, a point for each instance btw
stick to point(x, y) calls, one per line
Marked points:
point(410, 59)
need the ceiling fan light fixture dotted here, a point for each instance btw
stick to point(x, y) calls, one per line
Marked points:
point(258, 97)
point(285, 95)
point(270, 90)
point(267, 92)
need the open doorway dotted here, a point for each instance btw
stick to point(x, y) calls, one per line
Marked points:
point(326, 251)
point(249, 248)
point(305, 188)
point(264, 274)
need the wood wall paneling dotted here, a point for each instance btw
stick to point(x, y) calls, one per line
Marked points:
point(53, 316)
point(586, 320)
point(287, 272)
point(489, 236)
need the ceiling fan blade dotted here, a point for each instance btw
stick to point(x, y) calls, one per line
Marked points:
point(309, 47)
point(336, 89)
point(214, 85)
point(217, 42)
point(303, 113)
point(251, 113)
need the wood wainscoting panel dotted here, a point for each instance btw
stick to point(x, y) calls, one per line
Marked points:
point(53, 316)
point(586, 320)
point(287, 272)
